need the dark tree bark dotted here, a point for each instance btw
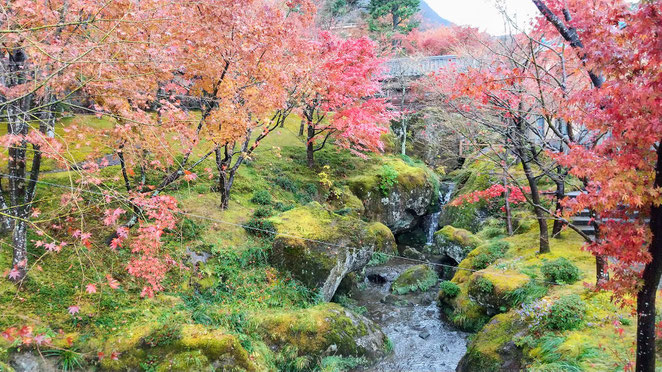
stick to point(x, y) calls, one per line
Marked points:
point(651, 279)
point(302, 127)
point(22, 182)
point(225, 155)
point(541, 216)
point(509, 218)
point(558, 209)
point(310, 146)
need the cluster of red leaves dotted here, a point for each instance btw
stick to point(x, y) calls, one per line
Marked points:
point(443, 40)
point(624, 43)
point(515, 195)
point(26, 336)
point(337, 77)
point(148, 261)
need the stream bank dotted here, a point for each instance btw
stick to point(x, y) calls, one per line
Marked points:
point(421, 340)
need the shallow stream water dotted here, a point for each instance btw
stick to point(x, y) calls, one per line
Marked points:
point(421, 340)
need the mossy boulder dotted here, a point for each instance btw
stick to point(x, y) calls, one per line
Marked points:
point(407, 200)
point(453, 243)
point(494, 290)
point(320, 247)
point(493, 349)
point(346, 203)
point(190, 347)
point(415, 278)
point(326, 329)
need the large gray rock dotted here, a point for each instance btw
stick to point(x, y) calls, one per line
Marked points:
point(453, 243)
point(27, 362)
point(320, 248)
point(401, 206)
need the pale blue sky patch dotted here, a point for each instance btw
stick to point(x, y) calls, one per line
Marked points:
point(484, 14)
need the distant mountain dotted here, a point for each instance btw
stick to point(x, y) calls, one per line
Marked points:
point(430, 18)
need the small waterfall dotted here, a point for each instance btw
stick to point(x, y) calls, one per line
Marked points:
point(431, 221)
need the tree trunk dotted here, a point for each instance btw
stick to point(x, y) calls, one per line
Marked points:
point(540, 214)
point(509, 218)
point(558, 224)
point(310, 149)
point(17, 125)
point(225, 174)
point(302, 127)
point(19, 243)
point(651, 279)
point(601, 272)
point(224, 185)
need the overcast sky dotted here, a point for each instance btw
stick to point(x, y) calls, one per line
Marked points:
point(483, 13)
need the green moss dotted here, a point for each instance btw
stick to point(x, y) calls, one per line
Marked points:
point(216, 345)
point(310, 258)
point(448, 289)
point(461, 237)
point(185, 361)
point(311, 331)
point(409, 177)
point(415, 278)
point(484, 352)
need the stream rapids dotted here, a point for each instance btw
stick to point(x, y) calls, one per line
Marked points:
point(421, 339)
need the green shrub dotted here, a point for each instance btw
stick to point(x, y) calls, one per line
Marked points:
point(560, 270)
point(190, 229)
point(260, 227)
point(492, 232)
point(495, 250)
point(481, 286)
point(566, 313)
point(481, 261)
point(378, 258)
point(262, 197)
point(387, 178)
point(263, 212)
point(310, 189)
point(499, 247)
point(281, 207)
point(287, 184)
point(449, 289)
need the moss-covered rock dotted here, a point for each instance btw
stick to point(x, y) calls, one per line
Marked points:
point(323, 330)
point(346, 203)
point(415, 278)
point(188, 344)
point(494, 290)
point(493, 348)
point(406, 201)
point(453, 242)
point(320, 247)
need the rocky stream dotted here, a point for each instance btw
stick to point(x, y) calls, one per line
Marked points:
point(421, 340)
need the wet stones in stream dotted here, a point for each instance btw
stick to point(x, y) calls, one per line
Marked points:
point(421, 340)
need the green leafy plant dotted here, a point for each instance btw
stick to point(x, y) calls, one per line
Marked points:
point(560, 271)
point(68, 360)
point(449, 289)
point(378, 258)
point(262, 197)
point(388, 177)
point(286, 183)
point(260, 227)
point(494, 251)
point(566, 313)
point(482, 286)
point(263, 212)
